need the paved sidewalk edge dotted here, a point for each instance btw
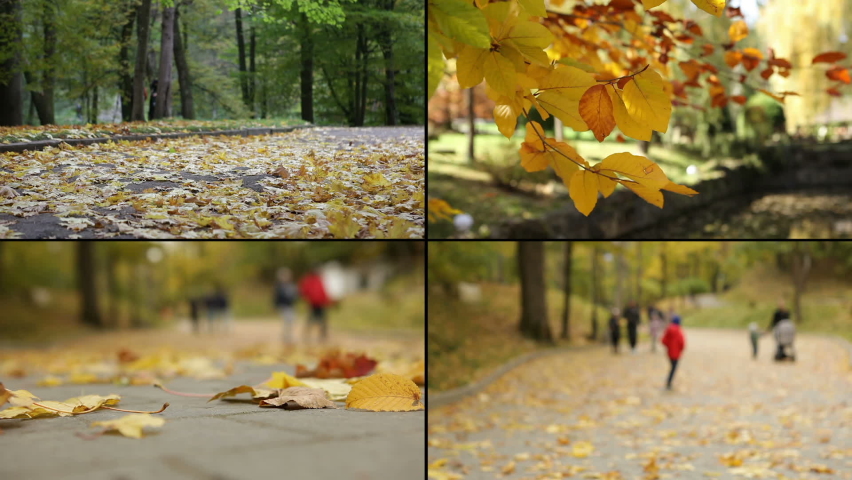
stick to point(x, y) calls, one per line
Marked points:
point(42, 144)
point(440, 399)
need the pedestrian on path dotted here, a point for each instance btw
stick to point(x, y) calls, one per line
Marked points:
point(312, 289)
point(675, 342)
point(194, 306)
point(614, 329)
point(632, 314)
point(656, 325)
point(286, 294)
point(754, 334)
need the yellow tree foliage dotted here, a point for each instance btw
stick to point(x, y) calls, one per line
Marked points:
point(594, 65)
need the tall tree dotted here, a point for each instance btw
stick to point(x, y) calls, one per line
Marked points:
point(534, 322)
point(596, 255)
point(241, 53)
point(566, 290)
point(86, 284)
point(252, 75)
point(42, 97)
point(187, 109)
point(306, 60)
point(126, 79)
point(164, 83)
point(386, 45)
point(139, 75)
point(11, 80)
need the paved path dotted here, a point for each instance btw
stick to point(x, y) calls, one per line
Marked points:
point(728, 416)
point(219, 440)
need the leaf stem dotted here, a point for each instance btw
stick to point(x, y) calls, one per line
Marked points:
point(182, 394)
point(63, 411)
point(165, 406)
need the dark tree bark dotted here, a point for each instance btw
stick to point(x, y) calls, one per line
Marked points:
point(595, 291)
point(86, 284)
point(126, 83)
point(639, 272)
point(164, 83)
point(187, 108)
point(139, 76)
point(306, 75)
point(801, 267)
point(11, 79)
point(241, 52)
point(471, 126)
point(386, 44)
point(252, 78)
point(534, 322)
point(94, 108)
point(43, 99)
point(566, 290)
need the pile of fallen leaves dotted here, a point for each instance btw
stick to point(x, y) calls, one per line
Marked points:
point(49, 132)
point(312, 183)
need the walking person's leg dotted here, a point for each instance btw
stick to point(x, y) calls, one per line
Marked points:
point(631, 333)
point(671, 374)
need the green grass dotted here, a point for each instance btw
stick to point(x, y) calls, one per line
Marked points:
point(468, 341)
point(826, 305)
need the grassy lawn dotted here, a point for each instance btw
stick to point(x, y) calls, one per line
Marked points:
point(471, 189)
point(468, 341)
point(826, 305)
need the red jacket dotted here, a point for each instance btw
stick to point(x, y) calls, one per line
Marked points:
point(674, 341)
point(313, 291)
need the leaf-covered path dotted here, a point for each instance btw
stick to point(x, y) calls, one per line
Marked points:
point(312, 183)
point(597, 415)
point(219, 440)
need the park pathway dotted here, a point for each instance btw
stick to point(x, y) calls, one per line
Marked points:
point(597, 415)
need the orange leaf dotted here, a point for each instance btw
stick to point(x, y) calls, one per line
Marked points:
point(829, 57)
point(767, 73)
point(719, 101)
point(596, 111)
point(739, 99)
point(738, 31)
point(834, 92)
point(840, 74)
point(732, 58)
point(708, 49)
point(751, 57)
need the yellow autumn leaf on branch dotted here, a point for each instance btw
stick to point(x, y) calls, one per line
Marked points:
point(385, 392)
point(634, 167)
point(652, 3)
point(583, 187)
point(647, 101)
point(654, 197)
point(713, 7)
point(738, 31)
point(596, 110)
point(461, 21)
point(624, 121)
point(130, 425)
point(559, 93)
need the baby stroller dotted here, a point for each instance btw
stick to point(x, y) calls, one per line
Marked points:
point(785, 335)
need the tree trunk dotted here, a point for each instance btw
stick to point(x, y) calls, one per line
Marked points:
point(86, 284)
point(534, 322)
point(252, 78)
point(595, 292)
point(386, 43)
point(126, 84)
point(664, 278)
point(566, 289)
point(11, 79)
point(164, 82)
point(187, 108)
point(471, 126)
point(801, 267)
point(241, 51)
point(639, 272)
point(43, 99)
point(306, 54)
point(139, 76)
point(93, 109)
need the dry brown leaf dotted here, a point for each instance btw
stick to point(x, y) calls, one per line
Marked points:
point(385, 392)
point(256, 393)
point(295, 398)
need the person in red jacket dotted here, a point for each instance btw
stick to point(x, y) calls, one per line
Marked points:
point(312, 289)
point(675, 342)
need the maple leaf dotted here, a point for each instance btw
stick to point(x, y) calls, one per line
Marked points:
point(130, 425)
point(385, 392)
point(295, 398)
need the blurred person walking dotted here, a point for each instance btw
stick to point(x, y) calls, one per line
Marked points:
point(614, 329)
point(312, 289)
point(194, 307)
point(632, 314)
point(656, 325)
point(217, 310)
point(286, 294)
point(675, 343)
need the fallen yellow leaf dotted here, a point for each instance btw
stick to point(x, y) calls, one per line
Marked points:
point(385, 392)
point(130, 425)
